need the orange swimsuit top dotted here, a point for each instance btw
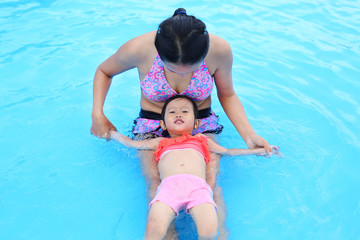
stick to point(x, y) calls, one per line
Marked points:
point(186, 141)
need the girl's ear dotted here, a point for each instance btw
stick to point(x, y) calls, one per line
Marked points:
point(162, 125)
point(197, 123)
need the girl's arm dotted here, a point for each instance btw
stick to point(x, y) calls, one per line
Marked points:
point(149, 144)
point(216, 148)
point(244, 152)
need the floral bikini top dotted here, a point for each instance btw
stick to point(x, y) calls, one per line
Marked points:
point(155, 86)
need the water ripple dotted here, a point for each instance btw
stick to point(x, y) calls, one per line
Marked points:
point(296, 70)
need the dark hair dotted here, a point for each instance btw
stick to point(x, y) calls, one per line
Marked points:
point(195, 109)
point(182, 39)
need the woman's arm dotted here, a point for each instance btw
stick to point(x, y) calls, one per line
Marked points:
point(150, 144)
point(127, 57)
point(228, 98)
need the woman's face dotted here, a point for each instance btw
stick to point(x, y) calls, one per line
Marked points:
point(181, 70)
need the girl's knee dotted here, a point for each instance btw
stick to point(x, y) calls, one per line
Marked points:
point(155, 229)
point(159, 218)
point(208, 230)
point(210, 236)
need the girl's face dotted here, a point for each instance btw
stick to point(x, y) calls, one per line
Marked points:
point(179, 118)
point(181, 70)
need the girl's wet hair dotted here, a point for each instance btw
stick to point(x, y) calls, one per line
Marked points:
point(182, 39)
point(195, 109)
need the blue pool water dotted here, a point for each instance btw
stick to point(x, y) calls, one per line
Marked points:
point(296, 70)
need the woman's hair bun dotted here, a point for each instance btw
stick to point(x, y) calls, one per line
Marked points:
point(180, 11)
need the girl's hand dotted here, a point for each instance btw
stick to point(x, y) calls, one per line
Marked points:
point(101, 126)
point(274, 151)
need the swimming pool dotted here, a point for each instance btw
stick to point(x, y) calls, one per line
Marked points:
point(296, 70)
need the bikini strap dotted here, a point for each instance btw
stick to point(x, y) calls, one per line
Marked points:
point(203, 113)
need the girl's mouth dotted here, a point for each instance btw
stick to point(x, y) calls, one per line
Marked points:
point(178, 121)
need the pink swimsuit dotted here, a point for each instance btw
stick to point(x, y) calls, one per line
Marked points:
point(183, 191)
point(155, 86)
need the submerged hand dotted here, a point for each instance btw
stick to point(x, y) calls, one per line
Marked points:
point(101, 126)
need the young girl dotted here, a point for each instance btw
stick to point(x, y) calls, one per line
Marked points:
point(182, 162)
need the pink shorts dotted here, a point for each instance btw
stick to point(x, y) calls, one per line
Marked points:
point(183, 191)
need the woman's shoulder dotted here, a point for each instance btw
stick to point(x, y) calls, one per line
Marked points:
point(142, 42)
point(219, 53)
point(140, 48)
point(218, 46)
point(145, 38)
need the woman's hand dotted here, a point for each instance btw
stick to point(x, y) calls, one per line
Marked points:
point(255, 141)
point(101, 126)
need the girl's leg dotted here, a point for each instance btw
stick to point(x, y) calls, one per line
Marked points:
point(152, 180)
point(160, 216)
point(206, 221)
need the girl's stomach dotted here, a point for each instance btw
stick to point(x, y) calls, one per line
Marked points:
point(184, 161)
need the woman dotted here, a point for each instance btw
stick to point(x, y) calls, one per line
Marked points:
point(181, 57)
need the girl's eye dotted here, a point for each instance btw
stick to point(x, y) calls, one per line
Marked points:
point(185, 111)
point(172, 112)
